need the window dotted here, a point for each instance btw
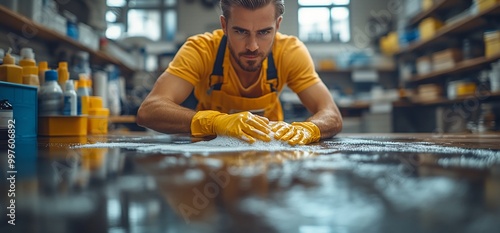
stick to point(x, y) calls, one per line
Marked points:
point(144, 23)
point(154, 19)
point(324, 20)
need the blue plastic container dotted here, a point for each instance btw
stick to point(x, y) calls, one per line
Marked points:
point(24, 100)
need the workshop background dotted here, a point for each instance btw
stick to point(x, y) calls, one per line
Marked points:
point(417, 82)
point(391, 65)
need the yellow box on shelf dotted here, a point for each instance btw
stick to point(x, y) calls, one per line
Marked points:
point(390, 44)
point(427, 4)
point(327, 65)
point(95, 102)
point(428, 27)
point(466, 88)
point(98, 121)
point(492, 43)
point(62, 125)
point(485, 4)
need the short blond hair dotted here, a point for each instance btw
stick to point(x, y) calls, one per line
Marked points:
point(226, 5)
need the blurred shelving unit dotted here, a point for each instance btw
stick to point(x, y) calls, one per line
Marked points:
point(29, 29)
point(473, 22)
point(422, 111)
point(438, 6)
point(491, 96)
point(33, 30)
point(466, 65)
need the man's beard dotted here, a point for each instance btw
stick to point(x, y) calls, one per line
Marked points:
point(249, 66)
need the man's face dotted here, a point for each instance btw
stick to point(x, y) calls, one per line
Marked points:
point(250, 35)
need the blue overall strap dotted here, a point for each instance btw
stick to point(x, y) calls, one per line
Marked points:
point(219, 60)
point(272, 74)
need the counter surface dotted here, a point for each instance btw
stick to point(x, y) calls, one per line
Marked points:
point(351, 183)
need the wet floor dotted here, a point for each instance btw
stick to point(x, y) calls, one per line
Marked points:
point(162, 183)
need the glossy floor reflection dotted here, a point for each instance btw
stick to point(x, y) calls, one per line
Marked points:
point(352, 183)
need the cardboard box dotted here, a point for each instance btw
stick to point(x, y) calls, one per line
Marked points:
point(446, 59)
point(428, 27)
point(88, 37)
point(492, 43)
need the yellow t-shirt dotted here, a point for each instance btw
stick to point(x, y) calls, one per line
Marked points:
point(195, 60)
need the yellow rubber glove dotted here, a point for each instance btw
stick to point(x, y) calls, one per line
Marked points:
point(244, 125)
point(297, 133)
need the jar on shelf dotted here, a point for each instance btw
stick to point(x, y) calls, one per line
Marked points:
point(6, 115)
point(486, 120)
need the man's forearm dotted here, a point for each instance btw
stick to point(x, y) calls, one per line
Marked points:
point(328, 121)
point(165, 117)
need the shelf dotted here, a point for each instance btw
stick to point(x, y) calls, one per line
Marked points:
point(121, 119)
point(494, 96)
point(462, 26)
point(32, 30)
point(467, 65)
point(360, 105)
point(441, 5)
point(349, 71)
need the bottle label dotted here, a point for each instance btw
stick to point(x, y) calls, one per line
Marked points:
point(79, 105)
point(67, 105)
point(50, 104)
point(5, 116)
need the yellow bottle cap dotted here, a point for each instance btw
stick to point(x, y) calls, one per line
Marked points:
point(43, 65)
point(8, 59)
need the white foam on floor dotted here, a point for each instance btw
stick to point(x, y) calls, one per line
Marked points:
point(219, 144)
point(126, 145)
point(360, 145)
point(482, 157)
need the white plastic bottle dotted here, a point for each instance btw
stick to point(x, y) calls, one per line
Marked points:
point(70, 100)
point(50, 96)
point(100, 84)
point(2, 53)
point(114, 104)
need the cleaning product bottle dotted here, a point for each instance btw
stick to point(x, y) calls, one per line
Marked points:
point(42, 67)
point(63, 73)
point(114, 103)
point(83, 93)
point(100, 86)
point(30, 70)
point(70, 100)
point(2, 53)
point(6, 115)
point(80, 64)
point(9, 71)
point(50, 96)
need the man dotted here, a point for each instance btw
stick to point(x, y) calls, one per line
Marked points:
point(237, 74)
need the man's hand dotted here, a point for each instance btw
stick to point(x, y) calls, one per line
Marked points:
point(243, 125)
point(297, 133)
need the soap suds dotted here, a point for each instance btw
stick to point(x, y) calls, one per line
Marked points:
point(476, 158)
point(219, 144)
